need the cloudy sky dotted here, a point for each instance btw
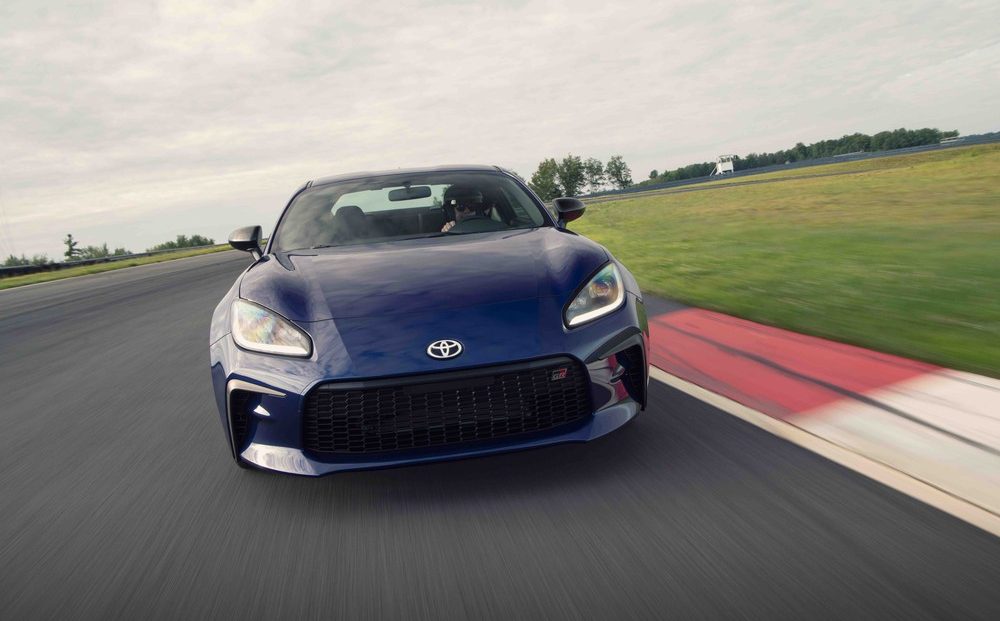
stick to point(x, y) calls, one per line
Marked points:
point(132, 122)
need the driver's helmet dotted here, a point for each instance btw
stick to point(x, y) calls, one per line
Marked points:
point(464, 197)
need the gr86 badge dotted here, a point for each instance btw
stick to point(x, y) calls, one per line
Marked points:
point(559, 374)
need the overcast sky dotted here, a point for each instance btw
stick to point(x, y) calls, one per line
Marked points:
point(132, 122)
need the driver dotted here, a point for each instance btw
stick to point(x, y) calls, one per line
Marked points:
point(465, 202)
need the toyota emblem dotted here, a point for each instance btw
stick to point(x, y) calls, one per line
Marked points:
point(444, 349)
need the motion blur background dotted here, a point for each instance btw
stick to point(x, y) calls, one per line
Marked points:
point(131, 123)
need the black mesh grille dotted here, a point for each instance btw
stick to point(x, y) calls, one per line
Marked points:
point(239, 418)
point(445, 408)
point(631, 360)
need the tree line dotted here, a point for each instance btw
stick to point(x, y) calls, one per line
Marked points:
point(89, 252)
point(572, 174)
point(854, 143)
point(183, 241)
point(75, 253)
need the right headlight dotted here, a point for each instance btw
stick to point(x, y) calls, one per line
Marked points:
point(603, 294)
point(261, 329)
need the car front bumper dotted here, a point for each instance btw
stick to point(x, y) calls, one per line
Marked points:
point(261, 397)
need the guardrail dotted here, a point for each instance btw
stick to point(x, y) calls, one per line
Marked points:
point(20, 270)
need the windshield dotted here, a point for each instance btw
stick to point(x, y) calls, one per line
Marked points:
point(396, 207)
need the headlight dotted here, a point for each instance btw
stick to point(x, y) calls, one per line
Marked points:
point(602, 295)
point(260, 329)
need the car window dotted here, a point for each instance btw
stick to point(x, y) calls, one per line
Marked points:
point(392, 207)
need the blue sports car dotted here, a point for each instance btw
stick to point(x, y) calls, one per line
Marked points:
point(419, 315)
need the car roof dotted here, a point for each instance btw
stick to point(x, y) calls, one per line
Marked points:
point(406, 171)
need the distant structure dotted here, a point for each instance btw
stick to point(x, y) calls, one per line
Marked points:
point(952, 139)
point(724, 165)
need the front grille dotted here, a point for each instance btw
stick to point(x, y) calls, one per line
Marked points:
point(445, 408)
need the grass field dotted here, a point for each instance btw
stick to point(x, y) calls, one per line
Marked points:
point(900, 255)
point(30, 279)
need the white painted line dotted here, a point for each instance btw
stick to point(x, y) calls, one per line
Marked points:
point(877, 471)
point(940, 431)
point(964, 404)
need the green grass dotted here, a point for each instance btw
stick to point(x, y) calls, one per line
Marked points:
point(901, 255)
point(30, 279)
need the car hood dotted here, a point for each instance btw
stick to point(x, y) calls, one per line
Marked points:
point(420, 275)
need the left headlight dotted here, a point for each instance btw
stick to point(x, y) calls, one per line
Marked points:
point(603, 294)
point(261, 329)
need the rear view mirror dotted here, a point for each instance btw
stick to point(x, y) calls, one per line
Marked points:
point(409, 193)
point(569, 209)
point(247, 239)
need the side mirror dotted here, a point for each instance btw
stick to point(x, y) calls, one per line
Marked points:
point(247, 239)
point(569, 209)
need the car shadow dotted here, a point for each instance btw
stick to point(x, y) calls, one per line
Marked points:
point(638, 454)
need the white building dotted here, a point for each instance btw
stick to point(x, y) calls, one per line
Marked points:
point(724, 165)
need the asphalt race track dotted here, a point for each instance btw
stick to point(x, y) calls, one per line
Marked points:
point(118, 499)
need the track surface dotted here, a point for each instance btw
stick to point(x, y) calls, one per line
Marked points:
point(118, 499)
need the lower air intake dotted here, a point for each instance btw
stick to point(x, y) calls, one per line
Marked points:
point(635, 372)
point(239, 418)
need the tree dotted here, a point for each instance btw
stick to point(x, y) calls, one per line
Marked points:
point(91, 252)
point(71, 250)
point(653, 174)
point(618, 172)
point(543, 182)
point(183, 241)
point(593, 171)
point(571, 175)
point(17, 261)
point(102, 251)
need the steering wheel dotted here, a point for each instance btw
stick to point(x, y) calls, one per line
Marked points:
point(477, 224)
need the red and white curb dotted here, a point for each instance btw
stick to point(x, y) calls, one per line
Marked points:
point(929, 432)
